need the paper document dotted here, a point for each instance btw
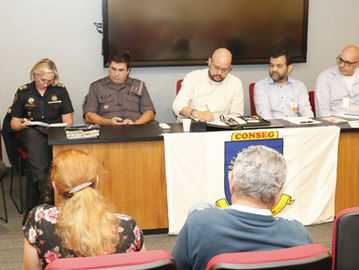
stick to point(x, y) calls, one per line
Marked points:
point(335, 119)
point(43, 124)
point(219, 120)
point(349, 116)
point(301, 120)
point(354, 124)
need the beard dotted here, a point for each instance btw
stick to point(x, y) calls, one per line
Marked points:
point(215, 77)
point(277, 77)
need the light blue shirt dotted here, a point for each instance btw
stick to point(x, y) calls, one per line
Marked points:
point(332, 95)
point(279, 101)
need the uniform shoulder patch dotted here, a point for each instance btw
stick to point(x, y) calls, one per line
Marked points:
point(60, 85)
point(25, 86)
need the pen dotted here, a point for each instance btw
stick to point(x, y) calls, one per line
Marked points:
point(352, 114)
point(207, 108)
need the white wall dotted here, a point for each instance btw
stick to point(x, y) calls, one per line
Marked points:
point(63, 31)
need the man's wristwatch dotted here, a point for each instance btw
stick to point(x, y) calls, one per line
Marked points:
point(192, 112)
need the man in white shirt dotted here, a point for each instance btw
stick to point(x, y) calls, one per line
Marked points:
point(280, 96)
point(211, 91)
point(337, 88)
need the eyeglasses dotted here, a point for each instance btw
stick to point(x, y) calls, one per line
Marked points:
point(346, 63)
point(228, 120)
point(219, 69)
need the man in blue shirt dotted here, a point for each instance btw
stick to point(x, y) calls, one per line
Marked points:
point(256, 183)
point(280, 96)
point(337, 88)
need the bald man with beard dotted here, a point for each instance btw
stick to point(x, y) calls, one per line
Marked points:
point(211, 91)
point(337, 88)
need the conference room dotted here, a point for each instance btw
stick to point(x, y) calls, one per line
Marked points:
point(65, 32)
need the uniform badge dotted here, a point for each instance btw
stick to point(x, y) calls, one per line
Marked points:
point(53, 98)
point(31, 101)
point(9, 110)
point(106, 106)
point(28, 114)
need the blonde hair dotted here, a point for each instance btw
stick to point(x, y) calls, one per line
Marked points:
point(86, 222)
point(44, 66)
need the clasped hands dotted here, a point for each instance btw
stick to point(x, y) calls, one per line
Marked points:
point(118, 121)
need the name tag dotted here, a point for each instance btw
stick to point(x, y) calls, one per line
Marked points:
point(293, 107)
point(55, 101)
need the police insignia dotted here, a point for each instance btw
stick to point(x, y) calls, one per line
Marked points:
point(9, 110)
point(53, 98)
point(31, 100)
point(60, 85)
point(23, 87)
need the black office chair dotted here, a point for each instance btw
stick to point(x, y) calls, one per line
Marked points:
point(2, 175)
point(345, 241)
point(17, 157)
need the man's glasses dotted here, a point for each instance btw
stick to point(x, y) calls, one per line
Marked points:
point(346, 63)
point(228, 120)
point(219, 69)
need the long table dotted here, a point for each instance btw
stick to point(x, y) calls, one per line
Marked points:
point(133, 169)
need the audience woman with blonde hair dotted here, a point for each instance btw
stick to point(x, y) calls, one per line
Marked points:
point(84, 223)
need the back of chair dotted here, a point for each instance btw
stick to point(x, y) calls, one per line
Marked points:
point(345, 242)
point(306, 257)
point(178, 86)
point(152, 259)
point(311, 101)
point(251, 99)
point(10, 141)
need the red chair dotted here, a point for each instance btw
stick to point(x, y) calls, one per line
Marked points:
point(179, 85)
point(305, 257)
point(311, 101)
point(251, 99)
point(345, 241)
point(152, 259)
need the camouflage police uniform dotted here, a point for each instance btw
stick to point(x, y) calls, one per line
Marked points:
point(49, 108)
point(128, 100)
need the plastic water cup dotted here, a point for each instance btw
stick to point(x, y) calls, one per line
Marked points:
point(186, 124)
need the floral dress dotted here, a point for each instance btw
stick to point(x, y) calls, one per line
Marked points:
point(39, 230)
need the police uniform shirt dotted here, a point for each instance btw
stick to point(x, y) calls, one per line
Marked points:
point(28, 103)
point(128, 100)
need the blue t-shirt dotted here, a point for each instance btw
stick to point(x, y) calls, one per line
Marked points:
point(212, 231)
